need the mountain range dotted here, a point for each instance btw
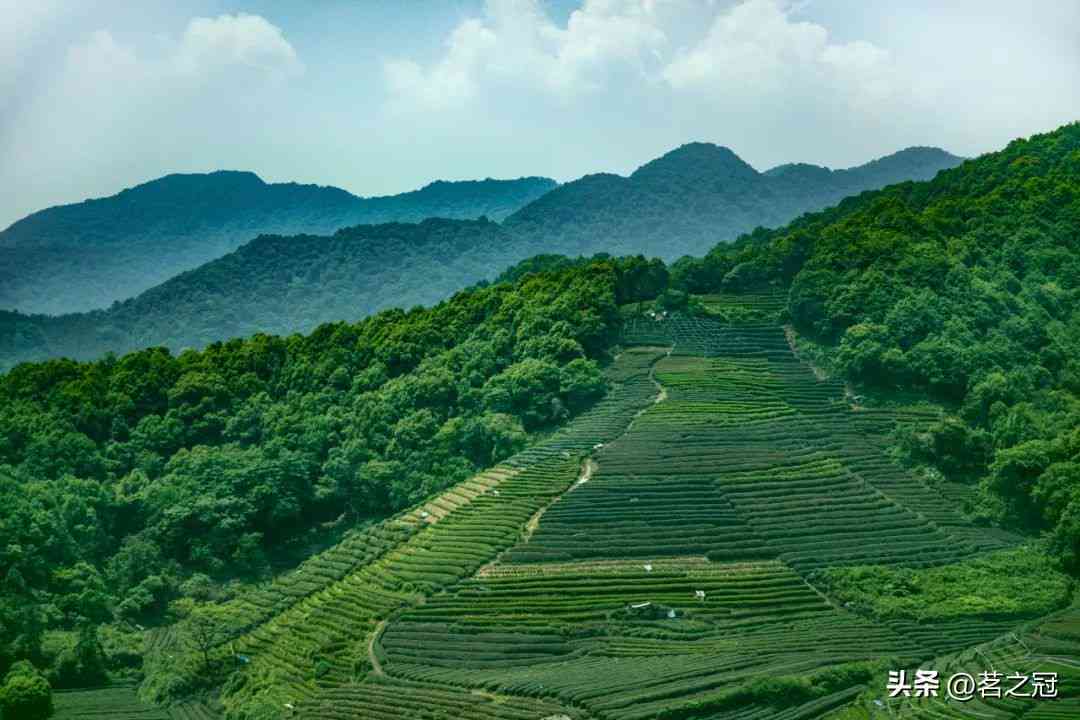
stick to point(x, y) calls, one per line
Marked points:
point(699, 194)
point(681, 203)
point(84, 256)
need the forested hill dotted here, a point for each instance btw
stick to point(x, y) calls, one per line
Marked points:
point(124, 479)
point(966, 287)
point(682, 202)
point(697, 195)
point(279, 285)
point(86, 255)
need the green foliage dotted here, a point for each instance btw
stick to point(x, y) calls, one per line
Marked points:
point(1018, 583)
point(965, 287)
point(681, 203)
point(124, 480)
point(695, 196)
point(544, 262)
point(80, 661)
point(25, 694)
point(276, 284)
point(781, 691)
point(130, 487)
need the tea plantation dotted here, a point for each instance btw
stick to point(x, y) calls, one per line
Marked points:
point(706, 542)
point(120, 702)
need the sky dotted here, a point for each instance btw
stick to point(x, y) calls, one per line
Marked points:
point(383, 96)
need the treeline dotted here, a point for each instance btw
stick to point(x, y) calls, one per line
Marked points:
point(130, 482)
point(966, 287)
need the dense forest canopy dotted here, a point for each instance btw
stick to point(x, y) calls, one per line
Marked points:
point(129, 482)
point(966, 287)
point(77, 257)
point(684, 202)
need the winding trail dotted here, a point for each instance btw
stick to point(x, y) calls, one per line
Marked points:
point(376, 666)
point(589, 465)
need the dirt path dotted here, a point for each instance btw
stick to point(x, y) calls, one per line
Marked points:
point(588, 467)
point(661, 394)
point(792, 341)
point(376, 666)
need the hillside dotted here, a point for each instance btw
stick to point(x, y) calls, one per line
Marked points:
point(966, 288)
point(276, 284)
point(696, 196)
point(284, 285)
point(129, 485)
point(621, 569)
point(88, 255)
point(587, 493)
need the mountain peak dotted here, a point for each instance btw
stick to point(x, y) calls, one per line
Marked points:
point(912, 163)
point(188, 182)
point(924, 152)
point(697, 161)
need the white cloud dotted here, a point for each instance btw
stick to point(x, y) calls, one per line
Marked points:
point(750, 49)
point(753, 46)
point(752, 74)
point(208, 46)
point(515, 42)
point(397, 94)
point(756, 52)
point(101, 57)
point(22, 30)
point(133, 107)
point(245, 40)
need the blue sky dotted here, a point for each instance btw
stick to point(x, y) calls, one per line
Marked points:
point(382, 96)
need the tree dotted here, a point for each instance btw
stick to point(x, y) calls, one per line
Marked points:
point(204, 629)
point(528, 389)
point(861, 352)
point(83, 664)
point(581, 383)
point(744, 276)
point(25, 694)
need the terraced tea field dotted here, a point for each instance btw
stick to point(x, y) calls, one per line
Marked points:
point(1052, 645)
point(120, 702)
point(658, 557)
point(617, 640)
point(324, 640)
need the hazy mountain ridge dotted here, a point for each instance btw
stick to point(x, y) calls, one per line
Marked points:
point(685, 201)
point(278, 284)
point(680, 203)
point(87, 255)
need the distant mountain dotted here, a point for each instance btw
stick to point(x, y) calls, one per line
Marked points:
point(87, 255)
point(697, 195)
point(681, 203)
point(277, 284)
